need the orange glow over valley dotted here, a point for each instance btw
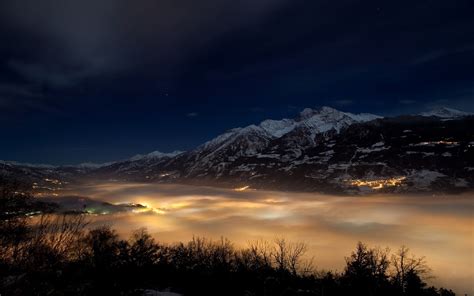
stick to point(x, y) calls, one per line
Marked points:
point(438, 227)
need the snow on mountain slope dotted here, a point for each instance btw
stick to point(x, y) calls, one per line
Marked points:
point(444, 112)
point(328, 118)
point(241, 143)
point(29, 165)
point(322, 150)
point(217, 153)
point(89, 166)
point(155, 155)
point(318, 121)
point(321, 120)
point(278, 128)
point(310, 122)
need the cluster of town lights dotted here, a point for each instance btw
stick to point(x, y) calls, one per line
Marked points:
point(378, 184)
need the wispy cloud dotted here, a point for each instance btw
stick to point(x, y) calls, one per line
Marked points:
point(407, 102)
point(441, 53)
point(462, 99)
point(257, 109)
point(344, 102)
point(54, 76)
point(35, 85)
point(192, 114)
point(15, 97)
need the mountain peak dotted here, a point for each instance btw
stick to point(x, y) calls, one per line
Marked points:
point(325, 110)
point(306, 113)
point(319, 120)
point(331, 113)
point(445, 112)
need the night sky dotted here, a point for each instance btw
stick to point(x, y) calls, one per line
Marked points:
point(101, 80)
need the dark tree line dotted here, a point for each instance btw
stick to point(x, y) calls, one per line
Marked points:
point(52, 254)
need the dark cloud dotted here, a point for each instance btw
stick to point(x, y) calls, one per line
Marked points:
point(109, 30)
point(84, 41)
point(15, 90)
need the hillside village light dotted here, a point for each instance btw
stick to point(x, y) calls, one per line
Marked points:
point(242, 188)
point(378, 184)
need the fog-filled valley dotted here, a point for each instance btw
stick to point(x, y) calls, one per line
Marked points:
point(439, 227)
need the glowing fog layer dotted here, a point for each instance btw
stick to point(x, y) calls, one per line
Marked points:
point(438, 227)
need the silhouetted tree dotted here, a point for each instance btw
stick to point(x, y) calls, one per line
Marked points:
point(288, 256)
point(408, 271)
point(104, 248)
point(366, 270)
point(143, 249)
point(445, 292)
point(14, 205)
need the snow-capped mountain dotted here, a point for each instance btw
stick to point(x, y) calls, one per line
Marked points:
point(141, 165)
point(316, 121)
point(24, 164)
point(320, 120)
point(447, 113)
point(322, 150)
point(39, 172)
point(155, 155)
point(91, 165)
point(215, 155)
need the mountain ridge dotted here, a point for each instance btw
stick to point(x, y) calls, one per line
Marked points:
point(323, 150)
